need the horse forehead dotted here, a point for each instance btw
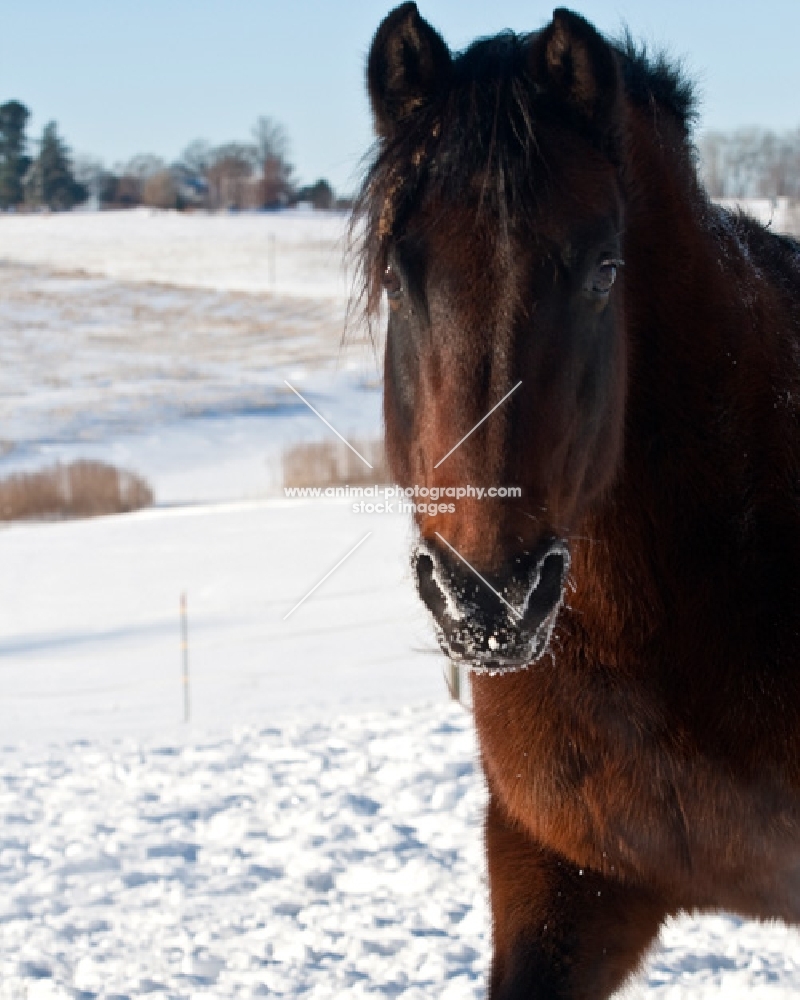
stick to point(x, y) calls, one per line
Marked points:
point(471, 264)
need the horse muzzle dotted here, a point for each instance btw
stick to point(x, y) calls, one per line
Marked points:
point(493, 621)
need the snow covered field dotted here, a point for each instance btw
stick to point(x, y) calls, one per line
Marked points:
point(315, 829)
point(315, 859)
point(289, 253)
point(328, 859)
point(181, 382)
point(89, 629)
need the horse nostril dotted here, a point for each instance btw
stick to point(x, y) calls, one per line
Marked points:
point(545, 587)
point(427, 585)
point(528, 593)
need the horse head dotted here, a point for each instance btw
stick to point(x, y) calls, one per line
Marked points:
point(494, 217)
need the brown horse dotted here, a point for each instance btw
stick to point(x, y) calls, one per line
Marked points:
point(534, 216)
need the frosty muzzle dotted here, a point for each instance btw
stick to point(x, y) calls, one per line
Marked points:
point(502, 620)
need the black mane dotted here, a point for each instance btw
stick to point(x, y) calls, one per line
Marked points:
point(657, 80)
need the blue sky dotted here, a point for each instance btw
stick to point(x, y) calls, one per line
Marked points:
point(147, 76)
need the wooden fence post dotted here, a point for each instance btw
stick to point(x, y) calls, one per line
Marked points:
point(185, 651)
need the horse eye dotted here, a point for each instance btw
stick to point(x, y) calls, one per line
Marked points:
point(391, 282)
point(604, 276)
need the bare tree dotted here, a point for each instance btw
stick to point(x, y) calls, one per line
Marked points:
point(751, 162)
point(271, 140)
point(230, 176)
point(142, 166)
point(197, 157)
point(272, 144)
point(160, 190)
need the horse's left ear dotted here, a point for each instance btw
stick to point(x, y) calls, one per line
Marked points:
point(408, 62)
point(572, 59)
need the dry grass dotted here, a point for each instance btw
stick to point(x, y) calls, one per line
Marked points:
point(333, 464)
point(79, 489)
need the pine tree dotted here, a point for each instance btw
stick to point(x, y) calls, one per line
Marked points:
point(14, 163)
point(51, 180)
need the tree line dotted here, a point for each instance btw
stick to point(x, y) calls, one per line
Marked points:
point(235, 175)
point(743, 163)
point(751, 162)
point(48, 179)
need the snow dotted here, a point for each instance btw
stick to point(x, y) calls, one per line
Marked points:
point(300, 858)
point(287, 253)
point(90, 640)
point(185, 385)
point(315, 829)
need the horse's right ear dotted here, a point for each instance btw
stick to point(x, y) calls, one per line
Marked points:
point(573, 61)
point(407, 64)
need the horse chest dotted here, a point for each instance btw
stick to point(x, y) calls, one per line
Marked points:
point(620, 799)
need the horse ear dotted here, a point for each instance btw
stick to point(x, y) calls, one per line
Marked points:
point(573, 59)
point(407, 62)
